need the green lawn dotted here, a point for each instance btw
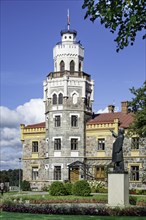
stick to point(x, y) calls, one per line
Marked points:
point(26, 216)
point(92, 198)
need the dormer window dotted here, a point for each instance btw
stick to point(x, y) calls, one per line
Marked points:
point(62, 66)
point(72, 66)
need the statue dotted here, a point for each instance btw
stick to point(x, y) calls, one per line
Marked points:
point(117, 153)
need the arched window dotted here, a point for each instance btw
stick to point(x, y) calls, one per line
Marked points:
point(79, 66)
point(72, 66)
point(62, 66)
point(60, 99)
point(75, 100)
point(54, 99)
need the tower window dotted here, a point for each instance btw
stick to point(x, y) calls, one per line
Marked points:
point(57, 144)
point(57, 173)
point(62, 66)
point(79, 66)
point(74, 121)
point(60, 99)
point(35, 146)
point(101, 144)
point(134, 174)
point(54, 99)
point(72, 66)
point(74, 144)
point(75, 100)
point(57, 121)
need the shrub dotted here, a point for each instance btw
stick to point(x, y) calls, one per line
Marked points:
point(132, 200)
point(45, 188)
point(102, 190)
point(68, 187)
point(81, 188)
point(75, 210)
point(25, 185)
point(57, 189)
point(137, 191)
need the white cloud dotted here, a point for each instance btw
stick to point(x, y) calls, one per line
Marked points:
point(103, 110)
point(100, 111)
point(11, 148)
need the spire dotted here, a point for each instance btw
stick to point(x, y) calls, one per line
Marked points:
point(68, 20)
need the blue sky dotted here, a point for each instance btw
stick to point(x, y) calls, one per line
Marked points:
point(29, 31)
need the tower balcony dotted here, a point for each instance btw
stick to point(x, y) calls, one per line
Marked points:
point(76, 74)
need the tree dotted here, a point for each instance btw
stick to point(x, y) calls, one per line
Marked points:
point(125, 17)
point(11, 176)
point(138, 107)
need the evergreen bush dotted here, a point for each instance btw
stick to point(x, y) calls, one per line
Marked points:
point(81, 188)
point(57, 189)
point(68, 187)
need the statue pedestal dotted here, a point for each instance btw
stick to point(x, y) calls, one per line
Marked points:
point(118, 189)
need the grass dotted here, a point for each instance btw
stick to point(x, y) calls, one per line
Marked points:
point(95, 198)
point(92, 198)
point(26, 216)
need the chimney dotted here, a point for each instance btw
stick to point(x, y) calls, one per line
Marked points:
point(124, 107)
point(111, 108)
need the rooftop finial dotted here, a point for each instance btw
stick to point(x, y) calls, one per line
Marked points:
point(68, 20)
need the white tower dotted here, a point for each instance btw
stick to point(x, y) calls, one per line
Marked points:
point(68, 54)
point(68, 97)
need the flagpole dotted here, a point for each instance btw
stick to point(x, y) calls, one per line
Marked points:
point(68, 20)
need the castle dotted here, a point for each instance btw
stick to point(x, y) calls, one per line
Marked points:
point(74, 143)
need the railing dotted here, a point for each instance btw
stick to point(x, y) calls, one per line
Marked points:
point(77, 74)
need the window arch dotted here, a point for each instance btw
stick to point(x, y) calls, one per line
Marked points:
point(54, 99)
point(75, 100)
point(72, 66)
point(62, 66)
point(60, 99)
point(79, 66)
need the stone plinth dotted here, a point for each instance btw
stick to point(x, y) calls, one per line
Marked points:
point(118, 189)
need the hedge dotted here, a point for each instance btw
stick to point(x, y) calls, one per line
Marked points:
point(73, 209)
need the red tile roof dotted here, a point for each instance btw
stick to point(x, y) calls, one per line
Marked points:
point(39, 125)
point(104, 118)
point(107, 118)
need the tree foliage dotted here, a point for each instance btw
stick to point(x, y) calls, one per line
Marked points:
point(11, 176)
point(126, 17)
point(25, 185)
point(138, 107)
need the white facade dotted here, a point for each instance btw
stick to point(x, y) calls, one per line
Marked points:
point(68, 50)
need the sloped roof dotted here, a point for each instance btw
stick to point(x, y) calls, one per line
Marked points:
point(107, 118)
point(39, 125)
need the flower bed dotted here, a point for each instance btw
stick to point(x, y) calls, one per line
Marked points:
point(75, 209)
